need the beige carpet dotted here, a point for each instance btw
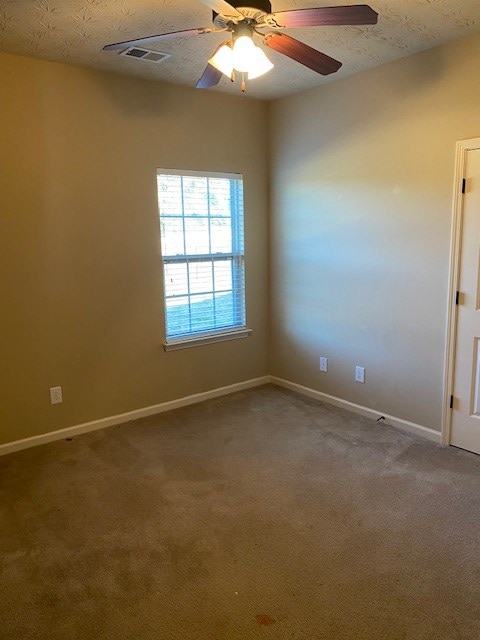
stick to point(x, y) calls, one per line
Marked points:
point(258, 515)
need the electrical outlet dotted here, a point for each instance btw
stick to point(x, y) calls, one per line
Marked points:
point(56, 396)
point(360, 374)
point(323, 364)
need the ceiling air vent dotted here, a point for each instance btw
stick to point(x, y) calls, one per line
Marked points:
point(145, 54)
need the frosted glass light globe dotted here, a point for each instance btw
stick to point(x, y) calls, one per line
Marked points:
point(261, 64)
point(223, 60)
point(243, 54)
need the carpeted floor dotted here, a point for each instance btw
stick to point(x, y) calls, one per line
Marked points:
point(258, 515)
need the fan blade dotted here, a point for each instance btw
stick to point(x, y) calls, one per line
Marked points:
point(211, 77)
point(152, 39)
point(353, 14)
point(223, 8)
point(311, 58)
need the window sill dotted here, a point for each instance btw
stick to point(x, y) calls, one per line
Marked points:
point(186, 343)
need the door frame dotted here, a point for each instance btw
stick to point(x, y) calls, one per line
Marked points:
point(462, 147)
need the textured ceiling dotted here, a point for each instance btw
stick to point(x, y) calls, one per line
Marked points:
point(74, 31)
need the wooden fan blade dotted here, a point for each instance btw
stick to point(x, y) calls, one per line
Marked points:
point(152, 39)
point(353, 14)
point(311, 58)
point(211, 77)
point(223, 8)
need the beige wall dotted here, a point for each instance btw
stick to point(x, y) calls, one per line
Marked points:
point(362, 176)
point(361, 186)
point(80, 271)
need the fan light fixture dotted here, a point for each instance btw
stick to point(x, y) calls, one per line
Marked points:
point(246, 22)
point(244, 57)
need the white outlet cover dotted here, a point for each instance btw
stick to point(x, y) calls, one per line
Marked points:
point(360, 374)
point(56, 396)
point(323, 364)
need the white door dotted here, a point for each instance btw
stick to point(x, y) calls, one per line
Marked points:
point(466, 386)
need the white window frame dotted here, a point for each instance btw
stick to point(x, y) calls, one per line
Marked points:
point(238, 252)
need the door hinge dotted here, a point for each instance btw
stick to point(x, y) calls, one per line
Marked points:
point(451, 402)
point(457, 297)
point(464, 185)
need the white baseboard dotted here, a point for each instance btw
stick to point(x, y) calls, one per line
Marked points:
point(399, 423)
point(103, 423)
point(69, 432)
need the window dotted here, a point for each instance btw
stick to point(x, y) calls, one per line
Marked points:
point(201, 222)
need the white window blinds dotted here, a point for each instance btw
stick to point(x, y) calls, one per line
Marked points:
point(201, 222)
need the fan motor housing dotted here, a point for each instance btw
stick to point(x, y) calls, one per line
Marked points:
point(253, 11)
point(261, 5)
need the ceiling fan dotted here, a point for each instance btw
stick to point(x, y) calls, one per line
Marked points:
point(240, 53)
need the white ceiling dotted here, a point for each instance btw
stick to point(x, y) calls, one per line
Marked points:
point(74, 31)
